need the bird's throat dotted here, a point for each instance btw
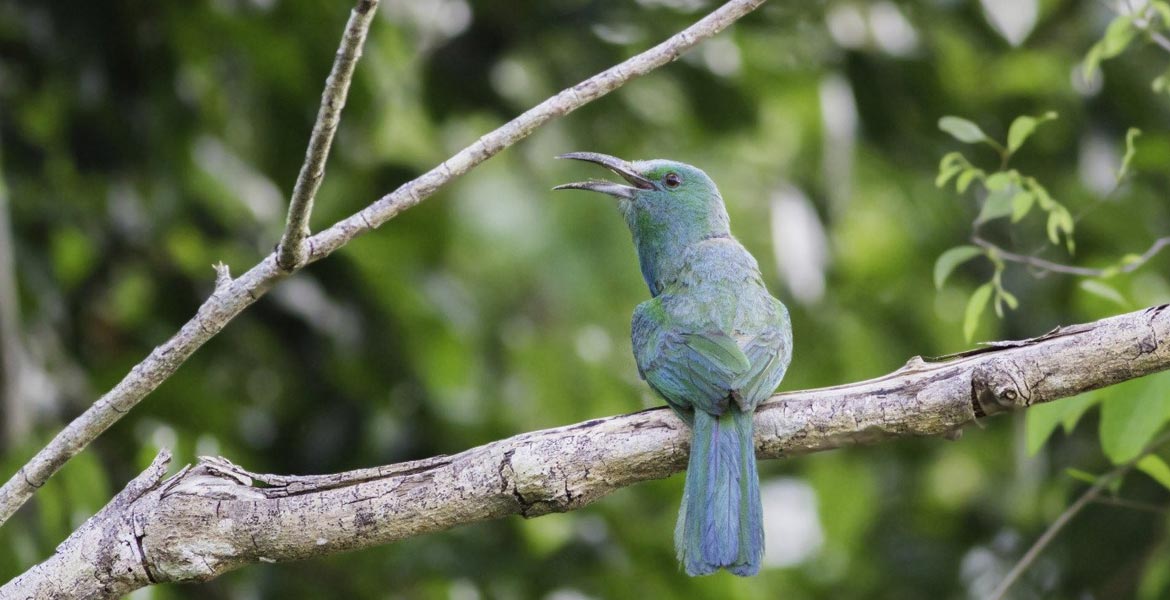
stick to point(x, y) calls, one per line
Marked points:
point(663, 243)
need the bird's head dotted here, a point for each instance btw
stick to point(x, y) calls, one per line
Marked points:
point(661, 194)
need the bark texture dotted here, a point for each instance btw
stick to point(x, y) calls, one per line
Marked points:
point(216, 516)
point(291, 252)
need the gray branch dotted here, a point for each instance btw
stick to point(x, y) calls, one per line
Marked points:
point(292, 251)
point(232, 296)
point(1047, 266)
point(216, 517)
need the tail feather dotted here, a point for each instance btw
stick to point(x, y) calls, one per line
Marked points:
point(751, 538)
point(720, 523)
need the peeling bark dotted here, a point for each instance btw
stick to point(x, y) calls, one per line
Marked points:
point(216, 516)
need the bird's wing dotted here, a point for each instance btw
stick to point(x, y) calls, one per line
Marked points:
point(690, 369)
point(769, 352)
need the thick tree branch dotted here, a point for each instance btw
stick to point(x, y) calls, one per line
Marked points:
point(292, 251)
point(214, 518)
point(104, 558)
point(233, 296)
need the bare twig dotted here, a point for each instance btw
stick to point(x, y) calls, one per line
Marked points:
point(1049, 534)
point(1143, 23)
point(213, 518)
point(1156, 37)
point(232, 297)
point(1049, 266)
point(1132, 504)
point(292, 252)
point(563, 103)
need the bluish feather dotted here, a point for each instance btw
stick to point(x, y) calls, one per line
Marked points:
point(712, 341)
point(720, 524)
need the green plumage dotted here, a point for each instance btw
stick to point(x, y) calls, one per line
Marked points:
point(711, 341)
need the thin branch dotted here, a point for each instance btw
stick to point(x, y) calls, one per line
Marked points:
point(291, 252)
point(1049, 266)
point(1132, 504)
point(1141, 21)
point(213, 518)
point(1053, 529)
point(1075, 508)
point(233, 296)
point(563, 103)
point(1156, 37)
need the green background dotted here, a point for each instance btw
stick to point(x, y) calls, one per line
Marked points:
point(144, 141)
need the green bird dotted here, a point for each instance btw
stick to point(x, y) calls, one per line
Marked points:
point(711, 341)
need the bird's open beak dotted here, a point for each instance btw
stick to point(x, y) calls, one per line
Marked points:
point(614, 164)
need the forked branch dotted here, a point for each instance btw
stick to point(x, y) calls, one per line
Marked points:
point(291, 252)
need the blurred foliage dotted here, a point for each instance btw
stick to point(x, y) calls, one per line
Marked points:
point(143, 142)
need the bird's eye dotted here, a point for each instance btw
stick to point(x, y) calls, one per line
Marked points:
point(672, 180)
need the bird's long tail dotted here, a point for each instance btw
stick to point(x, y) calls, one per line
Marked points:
point(720, 524)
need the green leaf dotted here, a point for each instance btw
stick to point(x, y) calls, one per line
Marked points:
point(1155, 578)
point(1042, 198)
point(1039, 423)
point(1060, 221)
point(1104, 290)
point(1002, 297)
point(952, 158)
point(1077, 406)
point(1054, 226)
point(945, 174)
point(948, 261)
point(1066, 221)
point(999, 180)
point(1023, 127)
point(1156, 468)
point(1066, 225)
point(1092, 61)
point(998, 204)
point(965, 179)
point(1008, 297)
point(1117, 36)
point(1021, 205)
point(962, 130)
point(1130, 136)
point(975, 307)
point(1130, 259)
point(1084, 476)
point(1132, 415)
point(951, 163)
point(1042, 419)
